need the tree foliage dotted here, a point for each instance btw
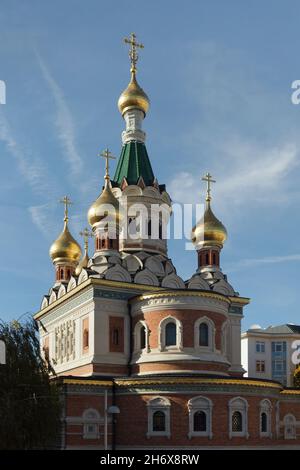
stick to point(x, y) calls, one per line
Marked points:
point(297, 377)
point(29, 402)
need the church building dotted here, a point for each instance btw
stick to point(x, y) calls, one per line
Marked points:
point(145, 359)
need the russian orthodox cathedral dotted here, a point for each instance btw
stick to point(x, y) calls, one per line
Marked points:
point(144, 358)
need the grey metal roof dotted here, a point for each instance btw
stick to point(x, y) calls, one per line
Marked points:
point(287, 328)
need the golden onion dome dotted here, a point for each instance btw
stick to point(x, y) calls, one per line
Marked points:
point(209, 231)
point(65, 248)
point(100, 208)
point(133, 97)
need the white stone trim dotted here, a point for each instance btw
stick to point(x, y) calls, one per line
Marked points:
point(162, 334)
point(211, 335)
point(180, 303)
point(265, 406)
point(241, 405)
point(200, 404)
point(91, 417)
point(289, 422)
point(159, 404)
point(136, 337)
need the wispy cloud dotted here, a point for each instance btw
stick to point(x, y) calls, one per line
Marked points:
point(253, 171)
point(244, 135)
point(63, 122)
point(31, 168)
point(34, 173)
point(254, 262)
point(41, 217)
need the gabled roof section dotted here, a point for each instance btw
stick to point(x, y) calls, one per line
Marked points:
point(286, 329)
point(134, 164)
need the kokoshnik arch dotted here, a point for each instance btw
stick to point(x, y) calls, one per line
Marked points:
point(121, 328)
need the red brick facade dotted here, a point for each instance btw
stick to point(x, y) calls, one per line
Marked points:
point(131, 429)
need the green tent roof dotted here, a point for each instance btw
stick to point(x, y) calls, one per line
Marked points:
point(134, 163)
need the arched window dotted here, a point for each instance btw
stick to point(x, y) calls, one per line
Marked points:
point(142, 337)
point(238, 417)
point(263, 423)
point(200, 417)
point(200, 421)
point(159, 421)
point(203, 334)
point(91, 420)
point(265, 418)
point(68, 273)
point(207, 258)
point(289, 426)
point(61, 274)
point(158, 417)
point(170, 333)
point(214, 258)
point(237, 421)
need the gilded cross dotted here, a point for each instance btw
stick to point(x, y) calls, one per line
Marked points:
point(209, 180)
point(133, 50)
point(85, 233)
point(108, 156)
point(67, 202)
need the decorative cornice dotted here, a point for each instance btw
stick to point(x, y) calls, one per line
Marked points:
point(99, 383)
point(240, 300)
point(194, 380)
point(153, 292)
point(96, 282)
point(182, 293)
point(290, 392)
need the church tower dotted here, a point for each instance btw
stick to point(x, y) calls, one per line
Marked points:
point(65, 252)
point(126, 336)
point(124, 310)
point(134, 181)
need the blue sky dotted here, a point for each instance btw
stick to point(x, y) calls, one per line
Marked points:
point(219, 78)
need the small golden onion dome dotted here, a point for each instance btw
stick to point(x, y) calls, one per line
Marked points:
point(133, 97)
point(83, 263)
point(209, 231)
point(100, 208)
point(65, 248)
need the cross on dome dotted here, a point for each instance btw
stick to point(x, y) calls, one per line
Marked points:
point(133, 50)
point(209, 180)
point(67, 202)
point(108, 156)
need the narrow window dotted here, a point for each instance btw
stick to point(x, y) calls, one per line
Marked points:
point(115, 336)
point(207, 258)
point(149, 229)
point(85, 338)
point(200, 421)
point(170, 334)
point(159, 421)
point(264, 422)
point(160, 231)
point(214, 258)
point(142, 337)
point(203, 334)
point(237, 421)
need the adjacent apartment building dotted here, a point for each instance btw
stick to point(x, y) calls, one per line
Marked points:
point(267, 352)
